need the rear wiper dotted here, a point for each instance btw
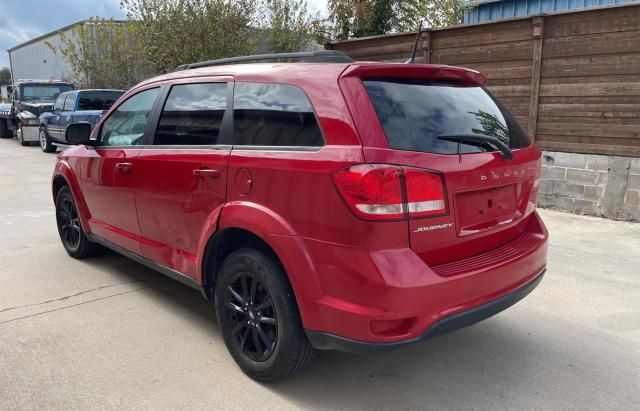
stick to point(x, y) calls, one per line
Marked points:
point(482, 139)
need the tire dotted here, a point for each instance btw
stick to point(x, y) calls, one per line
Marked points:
point(248, 321)
point(4, 130)
point(73, 237)
point(45, 141)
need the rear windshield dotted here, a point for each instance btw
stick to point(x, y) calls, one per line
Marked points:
point(98, 100)
point(414, 113)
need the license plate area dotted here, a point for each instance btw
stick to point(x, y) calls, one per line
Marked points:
point(490, 208)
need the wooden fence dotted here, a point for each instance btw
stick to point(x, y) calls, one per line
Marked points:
point(572, 79)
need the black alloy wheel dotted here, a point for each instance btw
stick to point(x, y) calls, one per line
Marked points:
point(69, 223)
point(258, 316)
point(73, 237)
point(249, 307)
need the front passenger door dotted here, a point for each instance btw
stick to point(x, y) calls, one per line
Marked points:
point(53, 127)
point(108, 172)
point(67, 112)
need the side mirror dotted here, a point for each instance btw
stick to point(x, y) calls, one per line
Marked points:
point(78, 133)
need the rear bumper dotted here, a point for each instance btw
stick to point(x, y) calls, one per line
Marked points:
point(326, 341)
point(391, 296)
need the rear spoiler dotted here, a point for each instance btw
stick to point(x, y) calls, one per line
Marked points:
point(415, 71)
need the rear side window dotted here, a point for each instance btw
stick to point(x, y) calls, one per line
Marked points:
point(414, 113)
point(97, 100)
point(192, 115)
point(274, 115)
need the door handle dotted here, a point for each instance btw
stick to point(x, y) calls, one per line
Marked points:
point(206, 173)
point(124, 167)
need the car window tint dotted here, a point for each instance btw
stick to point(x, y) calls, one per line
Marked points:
point(414, 113)
point(70, 102)
point(192, 115)
point(59, 104)
point(97, 100)
point(125, 125)
point(273, 115)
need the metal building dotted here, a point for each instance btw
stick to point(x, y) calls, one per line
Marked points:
point(35, 59)
point(486, 10)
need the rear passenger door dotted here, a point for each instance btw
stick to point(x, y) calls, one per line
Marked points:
point(181, 175)
point(277, 159)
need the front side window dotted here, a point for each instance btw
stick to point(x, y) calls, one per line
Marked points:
point(59, 104)
point(414, 114)
point(70, 102)
point(126, 124)
point(192, 115)
point(273, 115)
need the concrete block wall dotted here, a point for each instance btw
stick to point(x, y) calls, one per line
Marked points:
point(605, 186)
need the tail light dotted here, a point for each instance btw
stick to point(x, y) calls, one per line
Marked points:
point(372, 191)
point(385, 192)
point(425, 193)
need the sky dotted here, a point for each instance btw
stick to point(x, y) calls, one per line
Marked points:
point(22, 20)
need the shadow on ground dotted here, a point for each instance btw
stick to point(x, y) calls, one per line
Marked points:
point(502, 359)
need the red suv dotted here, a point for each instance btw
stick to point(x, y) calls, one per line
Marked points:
point(321, 203)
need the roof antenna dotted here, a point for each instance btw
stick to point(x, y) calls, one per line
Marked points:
point(415, 46)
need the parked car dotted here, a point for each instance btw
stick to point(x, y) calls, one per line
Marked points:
point(29, 99)
point(321, 203)
point(74, 107)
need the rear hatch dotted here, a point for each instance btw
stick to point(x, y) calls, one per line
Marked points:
point(447, 124)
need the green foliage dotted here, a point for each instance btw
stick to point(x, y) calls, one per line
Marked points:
point(432, 13)
point(174, 32)
point(103, 54)
point(5, 76)
point(360, 18)
point(289, 27)
point(162, 34)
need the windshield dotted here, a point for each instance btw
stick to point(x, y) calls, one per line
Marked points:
point(414, 113)
point(98, 100)
point(43, 91)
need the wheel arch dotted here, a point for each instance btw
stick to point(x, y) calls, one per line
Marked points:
point(258, 228)
point(64, 175)
point(56, 184)
point(221, 245)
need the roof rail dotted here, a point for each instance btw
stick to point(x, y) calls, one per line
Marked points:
point(321, 56)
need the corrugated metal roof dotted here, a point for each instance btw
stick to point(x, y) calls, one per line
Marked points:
point(488, 10)
point(53, 33)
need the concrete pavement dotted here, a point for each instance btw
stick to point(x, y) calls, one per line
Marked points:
point(107, 333)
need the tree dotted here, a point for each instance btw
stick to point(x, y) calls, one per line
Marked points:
point(162, 34)
point(104, 54)
point(432, 13)
point(289, 27)
point(360, 18)
point(5, 76)
point(174, 32)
